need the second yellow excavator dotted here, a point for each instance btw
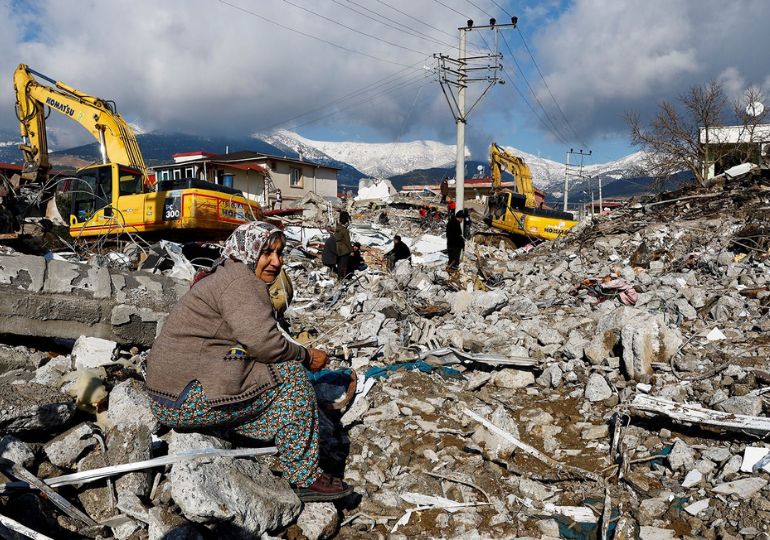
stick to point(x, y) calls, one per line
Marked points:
point(116, 196)
point(518, 212)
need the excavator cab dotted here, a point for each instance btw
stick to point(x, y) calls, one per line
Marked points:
point(100, 197)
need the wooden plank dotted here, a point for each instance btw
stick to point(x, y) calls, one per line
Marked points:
point(20, 473)
point(692, 414)
point(92, 475)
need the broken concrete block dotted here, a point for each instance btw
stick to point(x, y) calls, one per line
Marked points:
point(602, 431)
point(65, 449)
point(681, 456)
point(743, 489)
point(129, 405)
point(597, 388)
point(655, 533)
point(513, 379)
point(242, 492)
point(551, 377)
point(749, 405)
point(166, 525)
point(33, 407)
point(16, 450)
point(93, 352)
point(496, 446)
point(575, 346)
point(318, 520)
point(51, 372)
point(181, 441)
point(487, 303)
point(651, 509)
point(697, 507)
point(128, 444)
point(461, 301)
point(693, 478)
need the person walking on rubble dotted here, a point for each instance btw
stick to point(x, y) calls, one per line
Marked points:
point(222, 361)
point(455, 243)
point(344, 247)
point(444, 188)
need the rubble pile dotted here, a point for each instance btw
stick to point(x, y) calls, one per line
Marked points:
point(610, 384)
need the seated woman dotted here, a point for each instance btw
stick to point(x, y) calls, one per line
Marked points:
point(221, 360)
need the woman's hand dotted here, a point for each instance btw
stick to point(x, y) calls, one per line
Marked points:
point(316, 359)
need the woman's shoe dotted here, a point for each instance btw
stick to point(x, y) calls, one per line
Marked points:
point(325, 488)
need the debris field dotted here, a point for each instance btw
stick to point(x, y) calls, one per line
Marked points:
point(610, 384)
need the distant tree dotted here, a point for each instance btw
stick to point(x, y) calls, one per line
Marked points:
point(682, 136)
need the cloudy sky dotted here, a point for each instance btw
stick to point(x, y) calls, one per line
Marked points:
point(363, 70)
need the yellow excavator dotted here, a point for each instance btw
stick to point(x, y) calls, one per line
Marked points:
point(117, 195)
point(519, 213)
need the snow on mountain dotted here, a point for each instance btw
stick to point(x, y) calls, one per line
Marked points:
point(375, 159)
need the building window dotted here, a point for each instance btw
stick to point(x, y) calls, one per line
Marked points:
point(189, 172)
point(164, 175)
point(177, 174)
point(295, 180)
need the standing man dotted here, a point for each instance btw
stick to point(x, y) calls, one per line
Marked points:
point(444, 189)
point(455, 243)
point(344, 247)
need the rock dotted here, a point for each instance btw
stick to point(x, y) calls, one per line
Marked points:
point(65, 449)
point(461, 301)
point(549, 528)
point(129, 405)
point(681, 456)
point(128, 444)
point(92, 352)
point(743, 489)
point(166, 525)
point(33, 407)
point(750, 405)
point(551, 377)
point(534, 490)
point(597, 388)
point(242, 492)
point(181, 441)
point(655, 533)
point(732, 466)
point(51, 372)
point(575, 346)
point(549, 336)
point(488, 302)
point(16, 450)
point(697, 507)
point(318, 520)
point(513, 379)
point(693, 478)
point(651, 509)
point(601, 431)
point(497, 447)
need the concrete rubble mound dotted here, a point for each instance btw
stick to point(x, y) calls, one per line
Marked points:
point(611, 384)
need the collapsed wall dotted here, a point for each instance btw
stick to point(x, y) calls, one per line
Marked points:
point(60, 299)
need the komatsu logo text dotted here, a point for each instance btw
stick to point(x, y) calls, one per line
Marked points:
point(66, 109)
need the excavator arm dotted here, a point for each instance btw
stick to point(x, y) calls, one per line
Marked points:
point(117, 140)
point(499, 158)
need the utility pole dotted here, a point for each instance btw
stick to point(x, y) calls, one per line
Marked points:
point(454, 75)
point(573, 170)
point(601, 204)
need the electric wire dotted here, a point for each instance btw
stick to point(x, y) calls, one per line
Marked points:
point(534, 62)
point(451, 9)
point(337, 45)
point(366, 100)
point(551, 123)
point(371, 86)
point(412, 32)
point(324, 17)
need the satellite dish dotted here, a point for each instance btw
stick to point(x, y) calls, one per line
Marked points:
point(755, 108)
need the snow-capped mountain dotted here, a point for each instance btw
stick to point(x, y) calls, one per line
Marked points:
point(375, 159)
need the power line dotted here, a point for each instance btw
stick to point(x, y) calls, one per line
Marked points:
point(412, 32)
point(481, 9)
point(368, 100)
point(366, 88)
point(502, 8)
point(553, 125)
point(355, 29)
point(416, 19)
point(451, 9)
point(577, 137)
point(342, 47)
point(528, 104)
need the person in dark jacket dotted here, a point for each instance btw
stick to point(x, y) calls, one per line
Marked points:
point(399, 252)
point(329, 255)
point(221, 360)
point(344, 247)
point(356, 259)
point(455, 243)
point(444, 188)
